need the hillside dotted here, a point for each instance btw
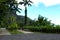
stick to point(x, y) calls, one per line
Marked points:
point(20, 19)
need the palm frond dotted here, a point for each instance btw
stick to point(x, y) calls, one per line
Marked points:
point(19, 9)
point(29, 4)
point(30, 1)
point(25, 4)
point(21, 3)
point(23, 0)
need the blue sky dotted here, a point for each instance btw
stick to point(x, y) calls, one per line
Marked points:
point(49, 10)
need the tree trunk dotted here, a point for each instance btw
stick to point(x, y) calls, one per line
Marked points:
point(25, 15)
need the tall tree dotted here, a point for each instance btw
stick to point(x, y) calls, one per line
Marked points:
point(7, 9)
point(13, 7)
point(40, 19)
point(26, 2)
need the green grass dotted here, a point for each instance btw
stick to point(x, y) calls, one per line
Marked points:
point(15, 32)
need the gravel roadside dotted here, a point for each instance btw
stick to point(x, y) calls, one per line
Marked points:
point(25, 32)
point(3, 31)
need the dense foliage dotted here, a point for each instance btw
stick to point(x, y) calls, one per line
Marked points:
point(11, 21)
point(8, 10)
point(43, 25)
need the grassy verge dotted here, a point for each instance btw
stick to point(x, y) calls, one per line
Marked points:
point(15, 32)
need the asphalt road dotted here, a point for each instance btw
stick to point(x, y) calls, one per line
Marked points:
point(31, 37)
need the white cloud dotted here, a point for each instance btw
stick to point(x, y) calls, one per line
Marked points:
point(46, 2)
point(57, 22)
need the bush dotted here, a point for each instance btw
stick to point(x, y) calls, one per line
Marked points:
point(12, 26)
point(44, 29)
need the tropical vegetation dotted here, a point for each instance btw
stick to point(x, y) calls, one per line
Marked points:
point(11, 21)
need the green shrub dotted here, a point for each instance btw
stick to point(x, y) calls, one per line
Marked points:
point(13, 26)
point(44, 29)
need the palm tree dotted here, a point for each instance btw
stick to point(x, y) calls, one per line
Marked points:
point(26, 2)
point(13, 5)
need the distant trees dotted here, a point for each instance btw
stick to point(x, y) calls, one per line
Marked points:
point(43, 25)
point(42, 21)
point(26, 2)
